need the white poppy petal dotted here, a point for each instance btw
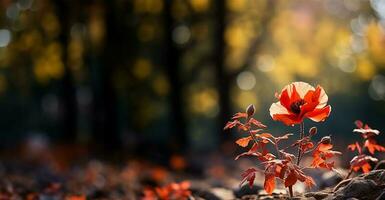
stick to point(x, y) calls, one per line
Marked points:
point(323, 99)
point(277, 108)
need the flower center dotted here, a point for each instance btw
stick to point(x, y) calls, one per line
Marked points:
point(296, 106)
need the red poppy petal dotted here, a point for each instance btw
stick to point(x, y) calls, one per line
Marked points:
point(284, 99)
point(319, 114)
point(287, 119)
point(317, 94)
point(309, 96)
point(294, 95)
point(308, 107)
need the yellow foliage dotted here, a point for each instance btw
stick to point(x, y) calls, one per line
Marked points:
point(148, 6)
point(243, 98)
point(376, 42)
point(236, 5)
point(203, 100)
point(161, 85)
point(200, 5)
point(365, 69)
point(48, 65)
point(142, 68)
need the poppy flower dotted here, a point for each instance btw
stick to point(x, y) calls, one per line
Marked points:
point(298, 101)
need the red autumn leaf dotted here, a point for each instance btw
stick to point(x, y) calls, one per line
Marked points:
point(365, 130)
point(324, 147)
point(287, 156)
point(265, 138)
point(243, 127)
point(171, 191)
point(355, 146)
point(321, 154)
point(75, 197)
point(256, 123)
point(300, 176)
point(269, 184)
point(249, 176)
point(244, 142)
point(305, 144)
point(149, 194)
point(231, 124)
point(362, 162)
point(309, 182)
point(372, 146)
point(239, 115)
point(162, 192)
point(291, 179)
point(284, 137)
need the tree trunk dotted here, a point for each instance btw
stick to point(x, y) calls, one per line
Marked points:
point(223, 80)
point(104, 122)
point(172, 56)
point(68, 91)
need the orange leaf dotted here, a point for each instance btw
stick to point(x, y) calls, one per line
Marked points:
point(309, 182)
point(324, 147)
point(244, 142)
point(231, 124)
point(249, 176)
point(257, 123)
point(239, 115)
point(372, 146)
point(354, 146)
point(362, 162)
point(76, 197)
point(284, 137)
point(291, 179)
point(269, 184)
point(321, 154)
point(366, 167)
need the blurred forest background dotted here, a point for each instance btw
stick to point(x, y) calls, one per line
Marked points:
point(152, 77)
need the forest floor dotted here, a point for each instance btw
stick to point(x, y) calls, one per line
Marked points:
point(96, 179)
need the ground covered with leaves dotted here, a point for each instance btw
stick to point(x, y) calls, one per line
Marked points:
point(96, 179)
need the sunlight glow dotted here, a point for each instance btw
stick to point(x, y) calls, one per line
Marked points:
point(246, 80)
point(5, 37)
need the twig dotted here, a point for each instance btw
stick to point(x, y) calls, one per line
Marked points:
point(350, 173)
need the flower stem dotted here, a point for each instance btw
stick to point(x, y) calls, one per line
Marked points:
point(301, 135)
point(291, 191)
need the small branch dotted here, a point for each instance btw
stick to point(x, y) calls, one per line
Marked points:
point(342, 183)
point(382, 162)
point(350, 173)
point(277, 149)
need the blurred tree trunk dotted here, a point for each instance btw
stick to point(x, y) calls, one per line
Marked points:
point(68, 90)
point(104, 123)
point(172, 57)
point(223, 80)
